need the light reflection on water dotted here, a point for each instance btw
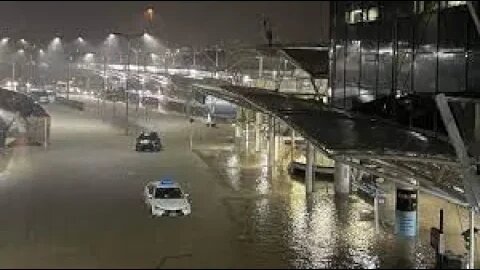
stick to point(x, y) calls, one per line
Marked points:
point(284, 228)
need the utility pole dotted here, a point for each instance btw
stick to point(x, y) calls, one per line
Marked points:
point(129, 37)
point(68, 78)
point(32, 68)
point(13, 77)
point(194, 62)
point(137, 51)
point(126, 85)
point(216, 60)
point(260, 67)
point(149, 16)
point(105, 82)
point(165, 63)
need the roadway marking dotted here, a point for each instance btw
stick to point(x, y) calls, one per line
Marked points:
point(164, 259)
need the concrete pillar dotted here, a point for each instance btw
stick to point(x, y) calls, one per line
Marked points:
point(258, 122)
point(271, 142)
point(191, 135)
point(239, 115)
point(406, 211)
point(247, 137)
point(292, 145)
point(376, 214)
point(238, 130)
point(277, 148)
point(209, 119)
point(309, 168)
point(46, 127)
point(342, 178)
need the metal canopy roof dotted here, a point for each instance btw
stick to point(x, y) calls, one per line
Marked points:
point(369, 144)
point(337, 130)
point(380, 148)
point(313, 58)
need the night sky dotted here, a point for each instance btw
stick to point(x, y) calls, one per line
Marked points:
point(195, 23)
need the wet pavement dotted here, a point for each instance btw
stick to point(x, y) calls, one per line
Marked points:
point(79, 204)
point(283, 228)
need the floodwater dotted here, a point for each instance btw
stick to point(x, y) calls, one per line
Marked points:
point(79, 204)
point(284, 228)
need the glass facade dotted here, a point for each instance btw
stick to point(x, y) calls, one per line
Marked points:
point(395, 48)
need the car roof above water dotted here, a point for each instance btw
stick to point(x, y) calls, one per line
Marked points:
point(167, 183)
point(148, 133)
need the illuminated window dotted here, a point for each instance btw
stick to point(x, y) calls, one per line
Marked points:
point(365, 16)
point(372, 14)
point(348, 18)
point(429, 6)
point(359, 15)
point(356, 15)
point(456, 3)
point(418, 7)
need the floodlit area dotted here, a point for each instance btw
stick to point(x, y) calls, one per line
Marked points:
point(237, 135)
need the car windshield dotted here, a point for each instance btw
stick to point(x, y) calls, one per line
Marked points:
point(168, 193)
point(148, 136)
point(39, 94)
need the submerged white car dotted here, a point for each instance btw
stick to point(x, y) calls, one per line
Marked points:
point(165, 198)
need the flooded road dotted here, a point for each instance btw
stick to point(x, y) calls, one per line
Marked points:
point(283, 228)
point(79, 204)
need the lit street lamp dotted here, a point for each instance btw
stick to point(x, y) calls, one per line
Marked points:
point(69, 61)
point(149, 15)
point(80, 40)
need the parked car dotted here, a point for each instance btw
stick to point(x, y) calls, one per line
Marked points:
point(150, 101)
point(40, 96)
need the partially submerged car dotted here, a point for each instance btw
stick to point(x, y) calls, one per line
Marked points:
point(148, 141)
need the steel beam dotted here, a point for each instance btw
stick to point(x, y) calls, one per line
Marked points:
point(470, 179)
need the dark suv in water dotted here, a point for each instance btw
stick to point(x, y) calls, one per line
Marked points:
point(148, 141)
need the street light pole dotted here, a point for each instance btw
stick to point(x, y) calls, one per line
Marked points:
point(31, 68)
point(13, 77)
point(68, 78)
point(216, 61)
point(165, 62)
point(128, 37)
point(105, 83)
point(126, 85)
point(194, 58)
point(138, 75)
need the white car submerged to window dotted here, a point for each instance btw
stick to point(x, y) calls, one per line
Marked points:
point(166, 198)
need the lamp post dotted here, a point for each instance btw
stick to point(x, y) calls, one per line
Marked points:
point(149, 16)
point(13, 76)
point(30, 49)
point(69, 60)
point(14, 65)
point(128, 37)
point(137, 51)
point(105, 71)
point(88, 59)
